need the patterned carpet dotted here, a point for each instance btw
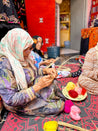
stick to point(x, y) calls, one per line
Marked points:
point(89, 114)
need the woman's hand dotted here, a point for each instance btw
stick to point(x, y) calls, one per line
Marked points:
point(47, 62)
point(50, 71)
point(44, 82)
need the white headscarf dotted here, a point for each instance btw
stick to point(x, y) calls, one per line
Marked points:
point(12, 46)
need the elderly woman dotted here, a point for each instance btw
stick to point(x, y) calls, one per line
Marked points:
point(22, 87)
point(89, 77)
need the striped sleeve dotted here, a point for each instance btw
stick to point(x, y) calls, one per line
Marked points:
point(13, 98)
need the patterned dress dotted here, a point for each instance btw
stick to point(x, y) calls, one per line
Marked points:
point(36, 58)
point(43, 103)
point(89, 77)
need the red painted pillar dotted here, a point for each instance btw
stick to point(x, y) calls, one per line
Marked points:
point(41, 20)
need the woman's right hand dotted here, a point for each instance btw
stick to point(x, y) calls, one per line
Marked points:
point(45, 81)
point(47, 62)
point(50, 71)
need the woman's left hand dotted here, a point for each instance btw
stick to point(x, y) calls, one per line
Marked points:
point(47, 62)
point(52, 60)
point(50, 71)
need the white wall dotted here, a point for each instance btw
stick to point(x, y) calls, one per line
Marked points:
point(78, 21)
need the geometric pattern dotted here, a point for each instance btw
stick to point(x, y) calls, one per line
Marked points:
point(88, 107)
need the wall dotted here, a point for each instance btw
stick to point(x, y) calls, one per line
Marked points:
point(78, 21)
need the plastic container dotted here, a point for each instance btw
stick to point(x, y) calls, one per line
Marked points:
point(53, 51)
point(67, 44)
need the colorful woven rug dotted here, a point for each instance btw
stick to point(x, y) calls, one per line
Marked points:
point(88, 107)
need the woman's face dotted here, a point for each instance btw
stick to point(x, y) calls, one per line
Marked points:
point(39, 44)
point(27, 51)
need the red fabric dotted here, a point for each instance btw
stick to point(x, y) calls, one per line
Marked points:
point(88, 107)
point(41, 9)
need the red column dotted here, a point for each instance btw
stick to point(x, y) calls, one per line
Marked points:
point(41, 20)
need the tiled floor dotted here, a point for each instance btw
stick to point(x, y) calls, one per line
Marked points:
point(67, 53)
point(64, 51)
